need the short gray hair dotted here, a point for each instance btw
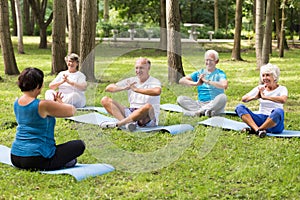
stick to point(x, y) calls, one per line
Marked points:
point(270, 69)
point(211, 51)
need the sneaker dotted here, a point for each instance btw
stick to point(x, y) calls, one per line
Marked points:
point(261, 133)
point(248, 130)
point(209, 113)
point(131, 126)
point(107, 124)
point(71, 163)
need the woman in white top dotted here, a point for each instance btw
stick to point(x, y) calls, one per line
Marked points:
point(271, 96)
point(70, 83)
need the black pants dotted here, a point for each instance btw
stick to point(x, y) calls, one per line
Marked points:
point(64, 153)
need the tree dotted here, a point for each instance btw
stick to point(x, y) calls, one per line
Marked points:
point(282, 30)
point(216, 14)
point(13, 17)
point(236, 51)
point(106, 10)
point(59, 36)
point(174, 42)
point(87, 38)
point(163, 25)
point(39, 10)
point(259, 31)
point(10, 65)
point(267, 40)
point(28, 18)
point(19, 27)
point(73, 27)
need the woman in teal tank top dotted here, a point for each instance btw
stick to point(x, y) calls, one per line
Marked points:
point(34, 146)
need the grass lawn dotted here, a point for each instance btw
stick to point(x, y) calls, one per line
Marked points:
point(207, 163)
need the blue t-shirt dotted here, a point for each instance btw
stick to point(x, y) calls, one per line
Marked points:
point(35, 135)
point(208, 92)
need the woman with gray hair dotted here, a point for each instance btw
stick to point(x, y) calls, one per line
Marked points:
point(71, 83)
point(272, 96)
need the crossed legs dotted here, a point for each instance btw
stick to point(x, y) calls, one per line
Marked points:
point(143, 114)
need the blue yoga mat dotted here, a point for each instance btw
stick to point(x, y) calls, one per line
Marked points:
point(176, 108)
point(79, 171)
point(93, 108)
point(97, 118)
point(230, 124)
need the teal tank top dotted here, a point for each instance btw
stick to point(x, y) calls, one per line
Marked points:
point(35, 135)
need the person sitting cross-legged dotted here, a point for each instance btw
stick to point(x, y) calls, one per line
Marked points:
point(211, 83)
point(272, 96)
point(143, 95)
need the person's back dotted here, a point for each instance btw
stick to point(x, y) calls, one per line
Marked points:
point(35, 135)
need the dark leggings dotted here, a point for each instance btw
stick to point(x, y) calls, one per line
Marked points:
point(64, 153)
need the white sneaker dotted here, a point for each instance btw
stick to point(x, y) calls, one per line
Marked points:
point(209, 113)
point(131, 126)
point(108, 124)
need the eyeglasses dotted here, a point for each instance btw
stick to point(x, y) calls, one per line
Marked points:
point(209, 60)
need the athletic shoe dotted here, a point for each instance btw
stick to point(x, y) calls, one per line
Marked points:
point(108, 124)
point(261, 133)
point(248, 130)
point(131, 126)
point(209, 113)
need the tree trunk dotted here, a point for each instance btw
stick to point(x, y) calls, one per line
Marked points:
point(106, 10)
point(236, 51)
point(277, 21)
point(14, 18)
point(163, 26)
point(59, 36)
point(259, 31)
point(10, 65)
point(87, 42)
point(39, 10)
point(175, 70)
point(282, 31)
point(28, 19)
point(216, 15)
point(267, 41)
point(74, 33)
point(19, 27)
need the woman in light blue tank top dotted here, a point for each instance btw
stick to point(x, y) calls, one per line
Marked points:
point(34, 146)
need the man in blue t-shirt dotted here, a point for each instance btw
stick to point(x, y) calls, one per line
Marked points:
point(211, 83)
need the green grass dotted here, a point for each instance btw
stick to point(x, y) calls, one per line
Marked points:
point(207, 163)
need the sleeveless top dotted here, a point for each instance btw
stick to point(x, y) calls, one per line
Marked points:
point(35, 135)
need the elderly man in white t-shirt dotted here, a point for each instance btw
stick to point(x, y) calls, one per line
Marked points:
point(143, 95)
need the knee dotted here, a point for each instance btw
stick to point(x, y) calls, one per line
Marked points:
point(147, 107)
point(180, 99)
point(239, 108)
point(105, 101)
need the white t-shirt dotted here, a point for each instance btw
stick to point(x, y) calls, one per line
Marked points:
point(137, 100)
point(266, 106)
point(66, 88)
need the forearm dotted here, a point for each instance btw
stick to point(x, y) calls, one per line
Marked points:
point(188, 82)
point(150, 91)
point(277, 99)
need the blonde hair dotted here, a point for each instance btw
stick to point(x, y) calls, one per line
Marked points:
point(270, 69)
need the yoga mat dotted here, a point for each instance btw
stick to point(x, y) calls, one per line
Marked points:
point(79, 171)
point(97, 118)
point(176, 108)
point(230, 124)
point(93, 108)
